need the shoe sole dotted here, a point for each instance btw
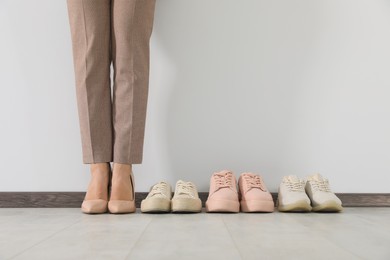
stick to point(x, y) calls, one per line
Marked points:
point(329, 206)
point(186, 205)
point(257, 206)
point(299, 206)
point(223, 206)
point(155, 205)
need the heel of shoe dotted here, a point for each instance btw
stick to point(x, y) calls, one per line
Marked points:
point(109, 184)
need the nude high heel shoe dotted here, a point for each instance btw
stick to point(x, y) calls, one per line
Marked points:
point(97, 206)
point(123, 206)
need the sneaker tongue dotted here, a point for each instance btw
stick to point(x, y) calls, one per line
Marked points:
point(317, 177)
point(223, 173)
point(293, 178)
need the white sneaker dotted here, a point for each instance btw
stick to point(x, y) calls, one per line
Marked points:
point(158, 199)
point(186, 198)
point(292, 196)
point(322, 198)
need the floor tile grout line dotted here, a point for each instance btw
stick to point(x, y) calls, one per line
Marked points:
point(231, 237)
point(139, 238)
point(45, 239)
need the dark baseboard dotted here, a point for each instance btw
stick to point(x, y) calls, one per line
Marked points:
point(74, 199)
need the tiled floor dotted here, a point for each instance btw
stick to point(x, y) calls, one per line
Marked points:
point(357, 233)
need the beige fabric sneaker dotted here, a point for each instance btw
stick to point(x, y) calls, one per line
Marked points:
point(321, 196)
point(186, 198)
point(292, 195)
point(158, 199)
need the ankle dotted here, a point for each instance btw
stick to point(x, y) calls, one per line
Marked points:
point(100, 170)
point(100, 166)
point(121, 169)
point(121, 166)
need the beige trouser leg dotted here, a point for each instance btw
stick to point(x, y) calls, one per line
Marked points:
point(119, 31)
point(132, 22)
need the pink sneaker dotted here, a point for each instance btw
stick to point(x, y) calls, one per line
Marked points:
point(223, 196)
point(254, 194)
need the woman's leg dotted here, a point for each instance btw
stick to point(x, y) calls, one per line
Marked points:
point(90, 31)
point(132, 23)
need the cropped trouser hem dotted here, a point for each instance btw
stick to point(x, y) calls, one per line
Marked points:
point(103, 159)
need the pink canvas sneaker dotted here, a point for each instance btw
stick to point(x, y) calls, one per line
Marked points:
point(223, 195)
point(254, 194)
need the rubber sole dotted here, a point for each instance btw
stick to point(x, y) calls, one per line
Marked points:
point(257, 206)
point(222, 206)
point(186, 205)
point(299, 206)
point(155, 205)
point(329, 206)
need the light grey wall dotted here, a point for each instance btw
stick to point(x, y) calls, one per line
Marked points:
point(275, 87)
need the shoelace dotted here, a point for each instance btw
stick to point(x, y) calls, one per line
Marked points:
point(158, 189)
point(254, 181)
point(223, 180)
point(321, 185)
point(296, 185)
point(186, 188)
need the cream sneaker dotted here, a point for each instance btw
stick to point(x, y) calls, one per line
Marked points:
point(158, 199)
point(321, 196)
point(223, 195)
point(186, 198)
point(292, 196)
